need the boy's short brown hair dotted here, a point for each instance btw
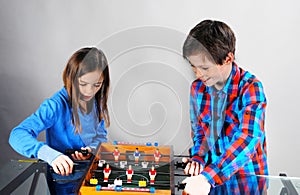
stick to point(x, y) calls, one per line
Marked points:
point(214, 39)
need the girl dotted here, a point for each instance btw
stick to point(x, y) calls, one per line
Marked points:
point(75, 117)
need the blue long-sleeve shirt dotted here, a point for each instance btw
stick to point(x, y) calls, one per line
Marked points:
point(54, 116)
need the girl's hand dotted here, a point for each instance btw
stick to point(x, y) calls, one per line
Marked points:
point(62, 165)
point(79, 156)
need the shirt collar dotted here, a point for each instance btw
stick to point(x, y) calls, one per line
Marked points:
point(231, 85)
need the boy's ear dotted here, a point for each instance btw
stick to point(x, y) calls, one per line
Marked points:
point(229, 59)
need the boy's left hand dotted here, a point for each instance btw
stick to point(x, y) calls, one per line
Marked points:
point(196, 185)
point(79, 156)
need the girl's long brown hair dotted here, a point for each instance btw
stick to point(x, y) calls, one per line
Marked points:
point(83, 61)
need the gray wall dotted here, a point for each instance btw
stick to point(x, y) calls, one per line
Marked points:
point(150, 81)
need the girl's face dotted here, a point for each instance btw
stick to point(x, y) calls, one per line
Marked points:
point(89, 84)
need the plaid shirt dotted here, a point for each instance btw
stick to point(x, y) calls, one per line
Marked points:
point(239, 148)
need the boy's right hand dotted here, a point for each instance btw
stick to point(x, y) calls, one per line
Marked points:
point(192, 168)
point(62, 165)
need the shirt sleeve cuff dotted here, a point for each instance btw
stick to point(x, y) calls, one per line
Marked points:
point(214, 175)
point(48, 154)
point(199, 160)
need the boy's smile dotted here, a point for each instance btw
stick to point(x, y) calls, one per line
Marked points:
point(210, 73)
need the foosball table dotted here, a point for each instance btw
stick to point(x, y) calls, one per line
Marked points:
point(130, 169)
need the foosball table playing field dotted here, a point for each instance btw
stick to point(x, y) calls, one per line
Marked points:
point(130, 169)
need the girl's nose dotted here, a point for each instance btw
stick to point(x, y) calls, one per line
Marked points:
point(89, 89)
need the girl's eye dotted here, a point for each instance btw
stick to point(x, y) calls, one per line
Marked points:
point(97, 85)
point(81, 84)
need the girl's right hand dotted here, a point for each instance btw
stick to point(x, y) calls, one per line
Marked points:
point(62, 165)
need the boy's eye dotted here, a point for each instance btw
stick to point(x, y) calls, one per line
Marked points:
point(200, 68)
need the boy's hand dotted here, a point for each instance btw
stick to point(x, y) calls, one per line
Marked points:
point(192, 168)
point(80, 156)
point(62, 165)
point(196, 185)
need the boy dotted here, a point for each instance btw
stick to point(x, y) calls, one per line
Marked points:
point(227, 110)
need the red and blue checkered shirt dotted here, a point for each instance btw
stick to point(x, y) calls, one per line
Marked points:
point(239, 147)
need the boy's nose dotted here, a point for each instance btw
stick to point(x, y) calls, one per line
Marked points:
point(199, 74)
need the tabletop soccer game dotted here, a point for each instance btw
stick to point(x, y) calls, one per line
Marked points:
point(130, 168)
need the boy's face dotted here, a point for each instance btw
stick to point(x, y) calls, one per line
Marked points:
point(210, 73)
point(89, 85)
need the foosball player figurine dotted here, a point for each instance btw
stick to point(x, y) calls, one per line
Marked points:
point(116, 154)
point(152, 174)
point(129, 173)
point(123, 164)
point(118, 182)
point(136, 155)
point(101, 163)
point(106, 171)
point(144, 164)
point(157, 156)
